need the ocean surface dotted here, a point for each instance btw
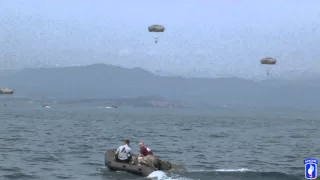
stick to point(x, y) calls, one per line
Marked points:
point(69, 141)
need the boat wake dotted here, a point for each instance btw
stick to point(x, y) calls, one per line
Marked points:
point(160, 175)
point(220, 174)
point(224, 170)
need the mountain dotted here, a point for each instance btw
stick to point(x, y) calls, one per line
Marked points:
point(107, 81)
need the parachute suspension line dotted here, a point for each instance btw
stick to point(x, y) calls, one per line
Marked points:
point(268, 61)
point(156, 28)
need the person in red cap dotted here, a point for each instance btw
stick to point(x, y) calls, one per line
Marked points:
point(144, 151)
point(146, 157)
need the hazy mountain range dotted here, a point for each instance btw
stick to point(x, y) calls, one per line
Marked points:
point(107, 81)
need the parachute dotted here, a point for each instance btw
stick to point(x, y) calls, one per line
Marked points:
point(156, 28)
point(268, 61)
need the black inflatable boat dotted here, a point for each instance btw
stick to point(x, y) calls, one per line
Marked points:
point(134, 168)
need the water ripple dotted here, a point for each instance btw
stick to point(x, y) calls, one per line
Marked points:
point(70, 143)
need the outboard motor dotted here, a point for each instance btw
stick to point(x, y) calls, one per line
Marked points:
point(165, 165)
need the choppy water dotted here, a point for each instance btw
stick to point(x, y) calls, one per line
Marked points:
point(67, 142)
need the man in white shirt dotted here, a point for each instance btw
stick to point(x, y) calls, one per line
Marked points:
point(123, 153)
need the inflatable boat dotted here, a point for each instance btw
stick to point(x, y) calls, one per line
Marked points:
point(134, 167)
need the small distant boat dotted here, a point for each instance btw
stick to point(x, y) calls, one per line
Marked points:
point(108, 107)
point(46, 106)
point(6, 91)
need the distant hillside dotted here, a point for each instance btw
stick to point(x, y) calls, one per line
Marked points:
point(106, 81)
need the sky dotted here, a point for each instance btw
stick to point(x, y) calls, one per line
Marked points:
point(214, 38)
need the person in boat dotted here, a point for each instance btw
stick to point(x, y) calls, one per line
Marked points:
point(123, 153)
point(146, 157)
point(144, 150)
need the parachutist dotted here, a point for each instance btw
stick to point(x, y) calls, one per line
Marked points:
point(268, 61)
point(156, 28)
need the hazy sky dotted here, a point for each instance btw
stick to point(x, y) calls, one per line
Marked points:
point(204, 37)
